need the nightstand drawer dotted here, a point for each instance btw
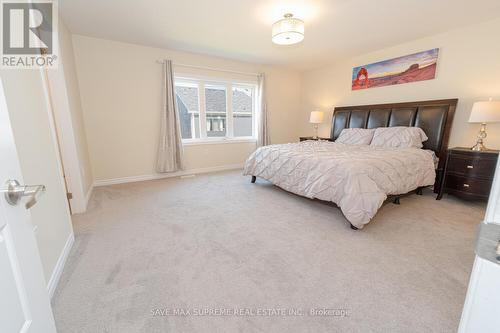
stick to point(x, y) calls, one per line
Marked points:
point(468, 185)
point(472, 166)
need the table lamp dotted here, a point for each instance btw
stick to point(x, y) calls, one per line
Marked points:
point(483, 113)
point(316, 118)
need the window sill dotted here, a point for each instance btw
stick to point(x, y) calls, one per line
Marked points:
point(217, 141)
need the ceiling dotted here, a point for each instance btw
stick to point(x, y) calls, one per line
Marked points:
point(241, 29)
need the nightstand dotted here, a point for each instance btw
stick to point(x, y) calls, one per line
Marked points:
point(469, 174)
point(304, 138)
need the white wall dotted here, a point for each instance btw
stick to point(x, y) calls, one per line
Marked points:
point(120, 87)
point(468, 69)
point(35, 141)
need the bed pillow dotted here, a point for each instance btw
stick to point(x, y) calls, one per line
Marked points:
point(399, 137)
point(356, 136)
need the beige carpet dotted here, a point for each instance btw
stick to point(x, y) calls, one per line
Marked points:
point(217, 241)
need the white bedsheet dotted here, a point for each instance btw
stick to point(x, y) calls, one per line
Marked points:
point(356, 178)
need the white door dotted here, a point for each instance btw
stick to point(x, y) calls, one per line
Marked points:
point(24, 300)
point(481, 312)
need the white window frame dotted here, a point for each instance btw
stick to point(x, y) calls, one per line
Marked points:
point(228, 85)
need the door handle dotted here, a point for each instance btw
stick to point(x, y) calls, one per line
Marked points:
point(14, 192)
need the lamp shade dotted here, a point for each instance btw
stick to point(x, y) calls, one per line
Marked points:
point(316, 117)
point(485, 112)
point(288, 31)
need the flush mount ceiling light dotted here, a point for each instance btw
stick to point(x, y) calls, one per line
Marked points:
point(288, 31)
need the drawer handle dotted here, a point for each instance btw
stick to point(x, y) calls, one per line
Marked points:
point(470, 167)
point(466, 185)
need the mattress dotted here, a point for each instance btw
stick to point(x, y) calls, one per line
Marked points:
point(358, 178)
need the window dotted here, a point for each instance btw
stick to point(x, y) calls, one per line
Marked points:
point(215, 111)
point(189, 111)
point(243, 111)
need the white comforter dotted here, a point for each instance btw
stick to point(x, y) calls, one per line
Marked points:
point(356, 178)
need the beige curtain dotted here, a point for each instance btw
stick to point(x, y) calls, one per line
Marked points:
point(170, 152)
point(263, 130)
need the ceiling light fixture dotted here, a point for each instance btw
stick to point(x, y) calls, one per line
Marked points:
point(288, 30)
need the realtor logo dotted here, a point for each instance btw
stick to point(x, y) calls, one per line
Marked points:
point(28, 34)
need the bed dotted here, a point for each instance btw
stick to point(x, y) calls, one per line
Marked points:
point(359, 178)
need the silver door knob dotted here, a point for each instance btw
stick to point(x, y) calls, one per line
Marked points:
point(13, 192)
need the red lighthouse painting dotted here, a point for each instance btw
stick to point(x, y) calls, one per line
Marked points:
point(410, 68)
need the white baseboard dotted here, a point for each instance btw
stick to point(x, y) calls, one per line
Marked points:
point(113, 181)
point(56, 273)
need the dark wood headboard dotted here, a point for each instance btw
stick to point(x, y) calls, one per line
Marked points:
point(434, 117)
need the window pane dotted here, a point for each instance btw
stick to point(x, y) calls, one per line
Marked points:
point(215, 101)
point(189, 111)
point(242, 111)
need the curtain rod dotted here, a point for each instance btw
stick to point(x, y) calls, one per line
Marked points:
point(211, 68)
